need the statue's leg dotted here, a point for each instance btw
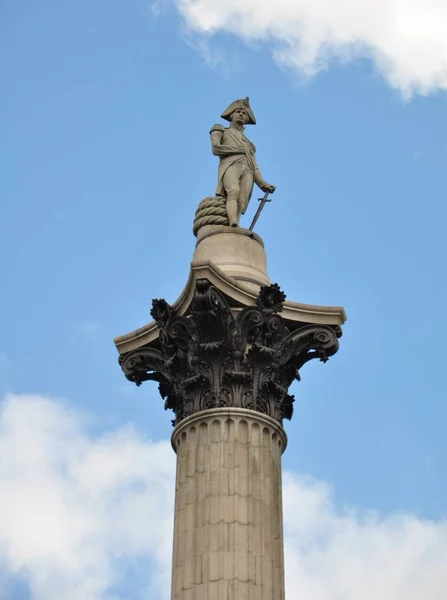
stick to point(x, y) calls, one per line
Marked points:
point(231, 184)
point(246, 188)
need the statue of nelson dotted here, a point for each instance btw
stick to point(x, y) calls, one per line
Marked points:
point(238, 170)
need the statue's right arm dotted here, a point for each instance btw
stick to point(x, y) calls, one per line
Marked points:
point(219, 149)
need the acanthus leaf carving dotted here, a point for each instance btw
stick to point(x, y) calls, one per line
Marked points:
point(215, 356)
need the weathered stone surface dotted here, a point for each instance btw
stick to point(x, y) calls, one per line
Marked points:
point(228, 538)
point(239, 253)
point(216, 357)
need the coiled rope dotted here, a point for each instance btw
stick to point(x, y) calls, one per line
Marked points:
point(211, 211)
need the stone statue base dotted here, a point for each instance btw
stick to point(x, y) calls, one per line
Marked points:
point(238, 252)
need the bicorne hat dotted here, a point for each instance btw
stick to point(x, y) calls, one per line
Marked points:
point(243, 103)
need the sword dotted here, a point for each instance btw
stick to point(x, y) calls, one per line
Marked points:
point(263, 202)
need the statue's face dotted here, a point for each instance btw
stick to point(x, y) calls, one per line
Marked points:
point(239, 116)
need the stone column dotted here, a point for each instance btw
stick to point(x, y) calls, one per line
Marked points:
point(228, 539)
point(224, 368)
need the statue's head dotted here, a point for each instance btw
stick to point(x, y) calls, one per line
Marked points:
point(240, 111)
point(239, 116)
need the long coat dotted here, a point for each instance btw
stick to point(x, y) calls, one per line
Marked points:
point(226, 143)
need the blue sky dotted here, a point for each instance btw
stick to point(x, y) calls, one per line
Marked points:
point(104, 115)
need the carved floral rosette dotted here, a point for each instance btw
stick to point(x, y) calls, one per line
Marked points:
point(218, 357)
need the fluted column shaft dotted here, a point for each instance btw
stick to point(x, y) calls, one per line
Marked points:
point(228, 526)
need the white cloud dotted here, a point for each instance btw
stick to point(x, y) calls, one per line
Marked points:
point(334, 554)
point(76, 507)
point(406, 39)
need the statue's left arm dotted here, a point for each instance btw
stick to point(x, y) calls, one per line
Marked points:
point(259, 179)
